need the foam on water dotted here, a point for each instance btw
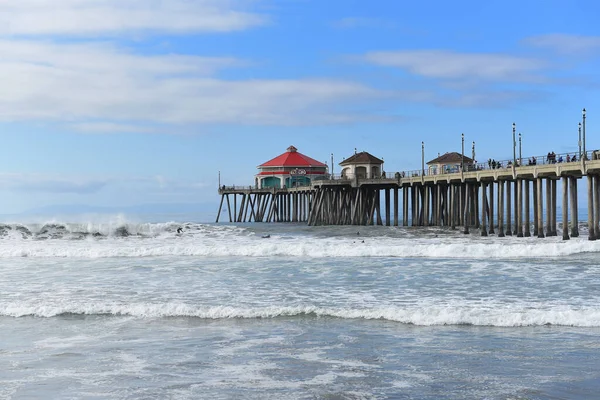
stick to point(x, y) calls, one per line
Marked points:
point(442, 314)
point(157, 240)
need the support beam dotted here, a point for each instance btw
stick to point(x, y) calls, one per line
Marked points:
point(527, 232)
point(483, 209)
point(565, 208)
point(540, 212)
point(574, 213)
point(591, 230)
point(500, 208)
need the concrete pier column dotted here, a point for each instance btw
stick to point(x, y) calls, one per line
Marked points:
point(476, 187)
point(405, 191)
point(548, 207)
point(483, 209)
point(414, 204)
point(388, 218)
point(466, 218)
point(519, 208)
point(540, 213)
point(574, 207)
point(452, 205)
point(500, 208)
point(527, 232)
point(565, 208)
point(438, 205)
point(535, 207)
point(491, 209)
point(508, 209)
point(396, 190)
point(591, 230)
point(596, 205)
point(446, 209)
point(554, 207)
point(515, 205)
point(427, 192)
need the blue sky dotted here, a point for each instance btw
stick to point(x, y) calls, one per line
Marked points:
point(113, 103)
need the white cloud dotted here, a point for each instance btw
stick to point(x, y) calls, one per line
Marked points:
point(103, 82)
point(566, 44)
point(442, 64)
point(110, 127)
point(102, 17)
point(50, 184)
point(84, 185)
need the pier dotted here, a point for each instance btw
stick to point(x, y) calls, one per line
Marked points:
point(478, 198)
point(505, 198)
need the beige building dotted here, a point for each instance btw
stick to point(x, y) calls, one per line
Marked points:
point(449, 163)
point(362, 165)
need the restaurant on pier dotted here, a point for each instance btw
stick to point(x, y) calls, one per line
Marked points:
point(290, 169)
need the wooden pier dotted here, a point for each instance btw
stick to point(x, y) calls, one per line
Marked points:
point(494, 201)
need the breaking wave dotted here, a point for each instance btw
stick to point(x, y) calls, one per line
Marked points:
point(123, 239)
point(422, 316)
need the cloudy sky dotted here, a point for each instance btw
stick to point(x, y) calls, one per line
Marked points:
point(122, 103)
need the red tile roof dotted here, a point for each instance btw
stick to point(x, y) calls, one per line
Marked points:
point(291, 158)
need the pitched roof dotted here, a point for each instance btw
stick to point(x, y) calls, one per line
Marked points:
point(361, 158)
point(292, 158)
point(452, 157)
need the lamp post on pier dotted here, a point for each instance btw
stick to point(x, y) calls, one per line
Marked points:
point(462, 161)
point(514, 126)
point(520, 152)
point(584, 153)
point(331, 165)
point(473, 152)
point(422, 158)
point(579, 141)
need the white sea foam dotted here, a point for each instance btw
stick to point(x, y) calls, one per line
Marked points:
point(120, 238)
point(251, 246)
point(425, 316)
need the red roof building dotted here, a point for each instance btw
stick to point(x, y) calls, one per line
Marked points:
point(289, 169)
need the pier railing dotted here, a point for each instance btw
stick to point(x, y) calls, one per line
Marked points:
point(490, 164)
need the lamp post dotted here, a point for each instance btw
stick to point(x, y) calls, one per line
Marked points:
point(473, 153)
point(514, 126)
point(422, 158)
point(520, 152)
point(219, 179)
point(579, 141)
point(462, 161)
point(331, 165)
point(584, 153)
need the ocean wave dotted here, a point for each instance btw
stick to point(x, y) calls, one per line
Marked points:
point(254, 246)
point(118, 229)
point(424, 316)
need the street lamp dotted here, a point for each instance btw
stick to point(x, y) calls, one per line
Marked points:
point(520, 152)
point(584, 153)
point(579, 141)
point(332, 165)
point(462, 162)
point(422, 158)
point(473, 153)
point(514, 146)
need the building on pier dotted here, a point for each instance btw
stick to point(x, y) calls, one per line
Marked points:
point(290, 169)
point(449, 163)
point(362, 166)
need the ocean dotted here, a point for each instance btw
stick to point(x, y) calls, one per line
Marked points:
point(134, 310)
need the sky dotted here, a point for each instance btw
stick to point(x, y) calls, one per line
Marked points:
point(130, 103)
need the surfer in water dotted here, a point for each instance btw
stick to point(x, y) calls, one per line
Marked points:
point(179, 230)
